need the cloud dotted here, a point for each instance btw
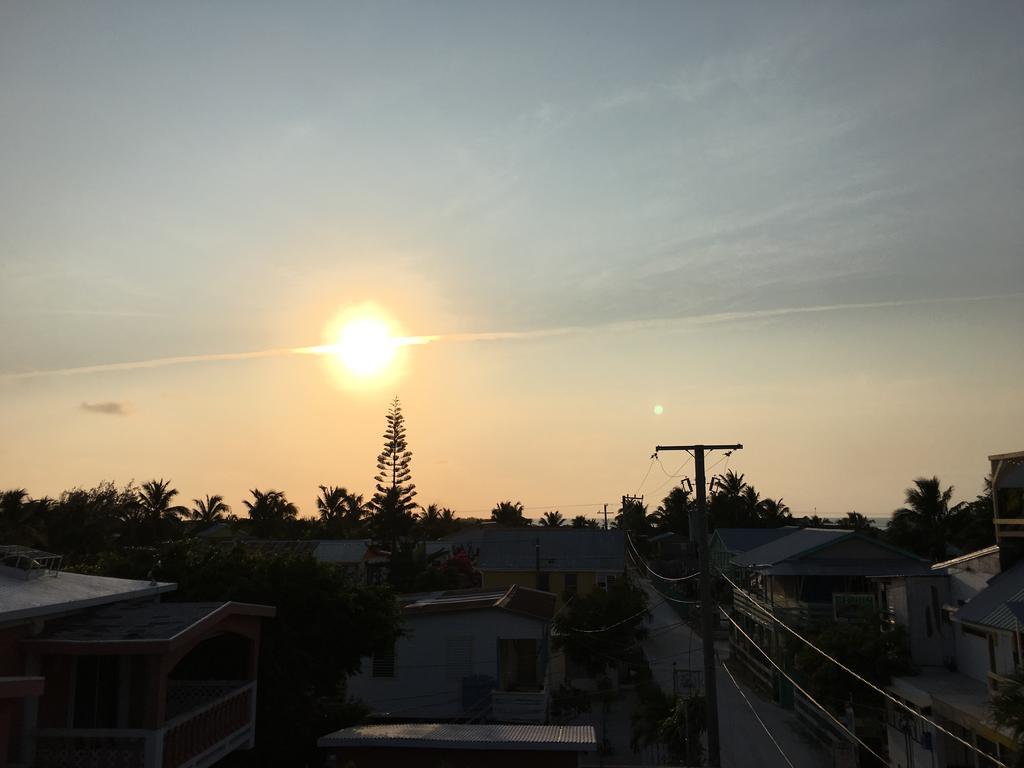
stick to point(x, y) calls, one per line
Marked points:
point(111, 408)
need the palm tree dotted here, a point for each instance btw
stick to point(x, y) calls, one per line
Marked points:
point(509, 513)
point(270, 512)
point(857, 522)
point(1008, 711)
point(341, 512)
point(774, 512)
point(552, 519)
point(22, 519)
point(582, 521)
point(923, 524)
point(210, 510)
point(430, 521)
point(155, 499)
point(674, 512)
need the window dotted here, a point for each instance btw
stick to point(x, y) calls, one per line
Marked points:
point(610, 580)
point(384, 663)
point(570, 583)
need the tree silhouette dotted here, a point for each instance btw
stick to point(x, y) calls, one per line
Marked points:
point(392, 504)
point(632, 517)
point(210, 510)
point(582, 521)
point(155, 499)
point(857, 522)
point(552, 519)
point(270, 513)
point(774, 512)
point(924, 524)
point(509, 513)
point(341, 513)
point(673, 515)
point(23, 519)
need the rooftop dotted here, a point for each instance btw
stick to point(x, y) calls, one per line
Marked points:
point(798, 542)
point(989, 608)
point(962, 559)
point(561, 549)
point(515, 599)
point(63, 592)
point(738, 540)
point(566, 738)
point(141, 622)
point(798, 555)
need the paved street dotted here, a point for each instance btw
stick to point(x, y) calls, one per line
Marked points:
point(744, 743)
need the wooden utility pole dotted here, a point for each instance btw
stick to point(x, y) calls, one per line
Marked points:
point(707, 608)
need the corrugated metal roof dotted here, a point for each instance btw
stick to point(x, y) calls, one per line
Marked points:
point(988, 608)
point(564, 738)
point(516, 599)
point(789, 546)
point(865, 567)
point(566, 549)
point(737, 540)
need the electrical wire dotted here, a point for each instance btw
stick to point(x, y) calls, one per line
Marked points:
point(800, 688)
point(886, 694)
point(650, 466)
point(757, 716)
point(670, 477)
point(643, 562)
point(610, 626)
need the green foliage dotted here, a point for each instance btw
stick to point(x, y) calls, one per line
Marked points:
point(676, 723)
point(324, 625)
point(509, 513)
point(735, 503)
point(864, 648)
point(1008, 711)
point(622, 609)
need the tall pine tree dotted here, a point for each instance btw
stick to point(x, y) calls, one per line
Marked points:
point(392, 504)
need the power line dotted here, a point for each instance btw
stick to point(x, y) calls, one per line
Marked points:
point(650, 466)
point(800, 688)
point(651, 570)
point(886, 694)
point(757, 716)
point(670, 477)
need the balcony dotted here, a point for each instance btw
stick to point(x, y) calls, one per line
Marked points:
point(519, 706)
point(205, 722)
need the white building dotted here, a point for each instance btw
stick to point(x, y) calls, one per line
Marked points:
point(466, 654)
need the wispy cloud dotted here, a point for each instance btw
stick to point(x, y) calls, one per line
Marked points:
point(486, 336)
point(110, 408)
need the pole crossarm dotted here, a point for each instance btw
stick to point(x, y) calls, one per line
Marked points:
point(734, 447)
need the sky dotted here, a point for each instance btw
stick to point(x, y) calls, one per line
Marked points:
point(795, 226)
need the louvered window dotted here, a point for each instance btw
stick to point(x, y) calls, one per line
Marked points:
point(384, 663)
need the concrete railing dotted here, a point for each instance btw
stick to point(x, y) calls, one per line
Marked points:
point(194, 739)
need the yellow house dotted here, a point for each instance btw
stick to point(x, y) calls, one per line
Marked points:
point(566, 561)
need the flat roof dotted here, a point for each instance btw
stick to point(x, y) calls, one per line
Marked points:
point(538, 738)
point(49, 594)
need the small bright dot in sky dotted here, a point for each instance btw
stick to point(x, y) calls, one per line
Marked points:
point(658, 410)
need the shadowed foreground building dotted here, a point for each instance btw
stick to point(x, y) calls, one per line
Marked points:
point(96, 671)
point(460, 746)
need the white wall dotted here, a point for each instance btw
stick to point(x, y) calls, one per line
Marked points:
point(425, 683)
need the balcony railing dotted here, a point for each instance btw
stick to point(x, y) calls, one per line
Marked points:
point(198, 737)
point(520, 706)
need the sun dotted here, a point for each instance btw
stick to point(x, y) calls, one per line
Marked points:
point(366, 346)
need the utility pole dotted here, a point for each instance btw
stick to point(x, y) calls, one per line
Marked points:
point(707, 608)
point(606, 517)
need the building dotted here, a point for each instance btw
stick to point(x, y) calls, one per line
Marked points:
point(806, 578)
point(1008, 502)
point(961, 656)
point(98, 671)
point(572, 561)
point(728, 543)
point(475, 653)
point(460, 746)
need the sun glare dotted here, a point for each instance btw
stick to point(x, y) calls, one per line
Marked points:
point(366, 346)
